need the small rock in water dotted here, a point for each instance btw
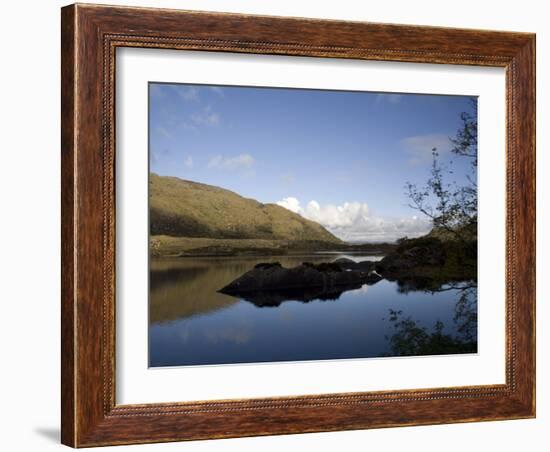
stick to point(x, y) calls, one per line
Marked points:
point(266, 265)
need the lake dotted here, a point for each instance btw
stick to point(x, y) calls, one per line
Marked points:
point(191, 323)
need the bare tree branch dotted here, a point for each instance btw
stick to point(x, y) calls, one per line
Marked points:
point(450, 206)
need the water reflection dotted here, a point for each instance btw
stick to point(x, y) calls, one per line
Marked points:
point(274, 298)
point(192, 323)
point(182, 288)
point(411, 338)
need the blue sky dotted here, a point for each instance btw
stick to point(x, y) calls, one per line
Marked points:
point(337, 157)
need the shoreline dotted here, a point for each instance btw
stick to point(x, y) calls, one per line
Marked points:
point(185, 247)
point(304, 253)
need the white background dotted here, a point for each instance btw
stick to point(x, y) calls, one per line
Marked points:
point(30, 225)
point(137, 384)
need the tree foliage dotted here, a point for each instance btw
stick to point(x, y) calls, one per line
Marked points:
point(451, 206)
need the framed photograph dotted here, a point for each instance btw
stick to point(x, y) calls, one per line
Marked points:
point(281, 225)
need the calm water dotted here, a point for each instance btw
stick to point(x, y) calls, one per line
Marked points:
point(192, 324)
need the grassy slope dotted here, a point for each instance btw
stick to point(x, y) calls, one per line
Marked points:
point(164, 245)
point(180, 208)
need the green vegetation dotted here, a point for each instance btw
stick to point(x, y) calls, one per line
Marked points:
point(449, 252)
point(167, 246)
point(163, 245)
point(180, 208)
point(452, 207)
point(193, 219)
point(429, 262)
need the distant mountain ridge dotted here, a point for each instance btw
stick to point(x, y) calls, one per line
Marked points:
point(182, 208)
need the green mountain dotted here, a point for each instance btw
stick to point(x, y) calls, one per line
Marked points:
point(181, 208)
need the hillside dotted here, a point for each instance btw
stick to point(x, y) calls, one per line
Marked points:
point(180, 208)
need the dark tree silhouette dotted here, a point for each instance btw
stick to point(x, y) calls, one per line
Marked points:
point(452, 207)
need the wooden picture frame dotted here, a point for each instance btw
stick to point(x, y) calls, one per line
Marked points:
point(90, 36)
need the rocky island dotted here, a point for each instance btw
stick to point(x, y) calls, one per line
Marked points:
point(424, 263)
point(273, 276)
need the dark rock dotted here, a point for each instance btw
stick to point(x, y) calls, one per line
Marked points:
point(366, 266)
point(394, 263)
point(348, 264)
point(266, 265)
point(404, 260)
point(324, 266)
point(274, 277)
point(344, 261)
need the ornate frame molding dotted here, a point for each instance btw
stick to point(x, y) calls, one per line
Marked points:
point(90, 37)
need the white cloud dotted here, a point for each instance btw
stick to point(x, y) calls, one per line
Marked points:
point(189, 94)
point(219, 91)
point(164, 132)
point(378, 229)
point(388, 97)
point(241, 161)
point(331, 216)
point(206, 117)
point(291, 204)
point(287, 179)
point(156, 91)
point(188, 162)
point(420, 147)
point(156, 154)
point(189, 126)
point(353, 221)
point(394, 98)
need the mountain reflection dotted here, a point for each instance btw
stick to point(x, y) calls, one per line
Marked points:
point(182, 288)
